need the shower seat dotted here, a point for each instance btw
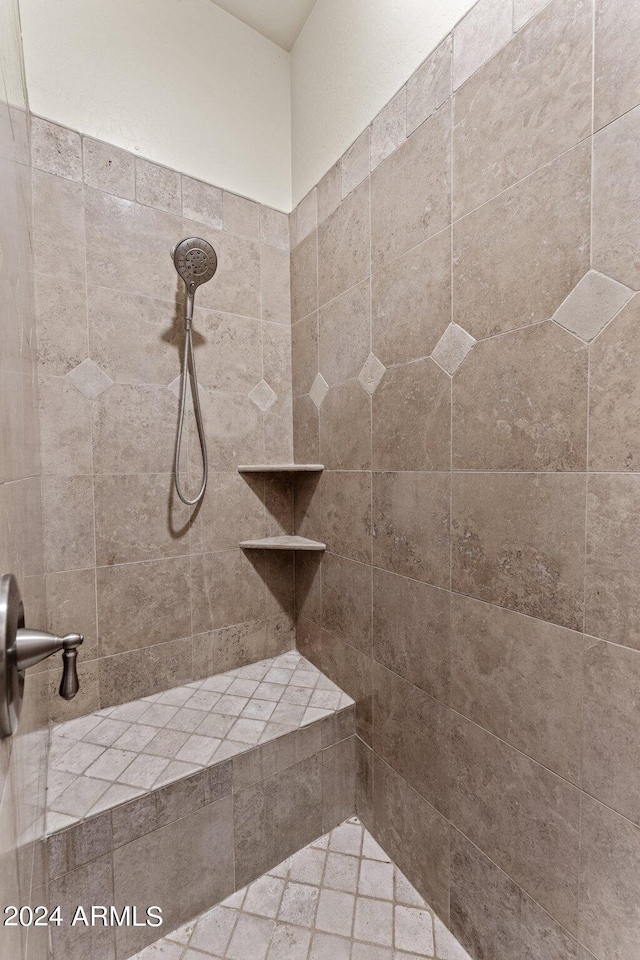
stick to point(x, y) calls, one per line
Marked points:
point(178, 799)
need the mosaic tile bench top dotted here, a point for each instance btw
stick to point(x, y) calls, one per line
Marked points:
point(113, 755)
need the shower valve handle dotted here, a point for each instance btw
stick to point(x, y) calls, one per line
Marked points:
point(32, 646)
point(69, 684)
point(21, 648)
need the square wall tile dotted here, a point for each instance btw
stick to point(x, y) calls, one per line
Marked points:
point(518, 541)
point(497, 286)
point(343, 245)
point(410, 191)
point(501, 131)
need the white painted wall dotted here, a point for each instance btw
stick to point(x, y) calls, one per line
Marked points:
point(186, 84)
point(349, 60)
point(181, 82)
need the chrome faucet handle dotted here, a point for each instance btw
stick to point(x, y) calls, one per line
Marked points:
point(21, 648)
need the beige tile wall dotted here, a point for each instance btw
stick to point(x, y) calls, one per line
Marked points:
point(162, 592)
point(23, 760)
point(466, 362)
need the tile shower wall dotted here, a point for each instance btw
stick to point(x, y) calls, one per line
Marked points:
point(162, 592)
point(466, 362)
point(23, 760)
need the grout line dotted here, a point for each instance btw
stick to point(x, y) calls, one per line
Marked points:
point(574, 785)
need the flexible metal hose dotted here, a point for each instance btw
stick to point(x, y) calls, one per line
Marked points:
point(189, 359)
point(196, 262)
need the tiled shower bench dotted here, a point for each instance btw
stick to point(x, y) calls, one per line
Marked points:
point(179, 799)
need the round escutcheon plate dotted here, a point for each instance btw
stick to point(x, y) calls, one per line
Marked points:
point(11, 679)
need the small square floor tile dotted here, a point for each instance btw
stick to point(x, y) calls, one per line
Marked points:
point(368, 951)
point(258, 709)
point(405, 893)
point(242, 688)
point(326, 946)
point(278, 675)
point(110, 764)
point(177, 697)
point(116, 794)
point(158, 714)
point(281, 870)
point(79, 757)
point(347, 838)
point(289, 943)
point(297, 695)
point(215, 725)
point(143, 771)
point(246, 730)
point(373, 850)
point(341, 872)
point(236, 899)
point(213, 930)
point(106, 732)
point(198, 749)
point(299, 904)
point(135, 738)
point(166, 743)
point(307, 866)
point(204, 700)
point(335, 912)
point(376, 879)
point(232, 706)
point(322, 843)
point(251, 938)
point(414, 930)
point(263, 896)
point(447, 947)
point(187, 720)
point(373, 922)
point(175, 770)
point(219, 684)
point(183, 933)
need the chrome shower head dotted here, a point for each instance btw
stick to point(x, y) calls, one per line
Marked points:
point(195, 260)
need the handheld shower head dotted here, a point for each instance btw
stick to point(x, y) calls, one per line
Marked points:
point(196, 262)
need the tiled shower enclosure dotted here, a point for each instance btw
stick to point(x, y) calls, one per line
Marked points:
point(449, 323)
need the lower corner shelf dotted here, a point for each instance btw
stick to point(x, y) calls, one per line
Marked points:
point(283, 543)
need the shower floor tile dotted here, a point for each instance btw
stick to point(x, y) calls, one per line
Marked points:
point(111, 756)
point(340, 898)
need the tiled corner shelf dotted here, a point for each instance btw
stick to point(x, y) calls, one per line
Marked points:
point(281, 468)
point(288, 542)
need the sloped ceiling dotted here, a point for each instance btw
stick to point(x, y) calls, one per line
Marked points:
point(279, 20)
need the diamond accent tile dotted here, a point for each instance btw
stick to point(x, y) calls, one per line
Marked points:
point(452, 347)
point(371, 374)
point(175, 386)
point(592, 303)
point(89, 379)
point(263, 396)
point(319, 390)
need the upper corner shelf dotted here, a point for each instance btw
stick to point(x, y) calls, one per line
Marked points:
point(288, 542)
point(281, 468)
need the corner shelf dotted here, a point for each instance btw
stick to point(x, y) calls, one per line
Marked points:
point(283, 543)
point(281, 468)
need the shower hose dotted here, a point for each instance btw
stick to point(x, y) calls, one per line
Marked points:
point(189, 360)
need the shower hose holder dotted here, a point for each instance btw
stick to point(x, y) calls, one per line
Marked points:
point(21, 648)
